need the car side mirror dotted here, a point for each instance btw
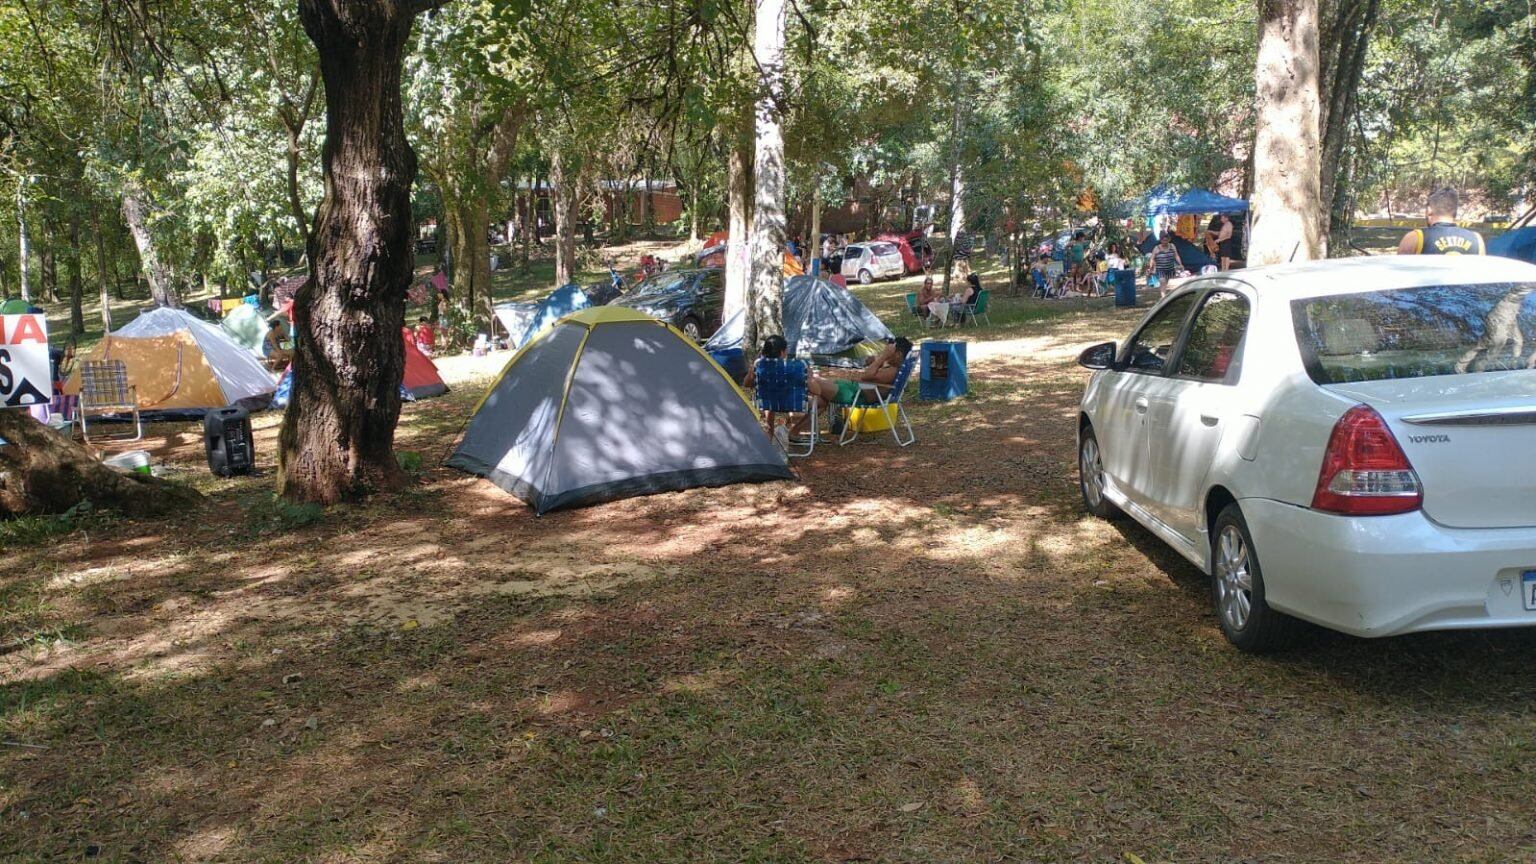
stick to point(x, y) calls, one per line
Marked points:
point(1101, 356)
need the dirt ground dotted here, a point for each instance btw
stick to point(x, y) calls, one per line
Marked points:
point(921, 654)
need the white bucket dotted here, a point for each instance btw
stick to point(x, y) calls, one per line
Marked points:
point(134, 461)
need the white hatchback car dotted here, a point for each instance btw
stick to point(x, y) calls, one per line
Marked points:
point(1364, 427)
point(867, 262)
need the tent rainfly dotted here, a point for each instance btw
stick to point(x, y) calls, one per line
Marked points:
point(611, 403)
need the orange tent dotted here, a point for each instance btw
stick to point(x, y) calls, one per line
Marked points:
point(421, 379)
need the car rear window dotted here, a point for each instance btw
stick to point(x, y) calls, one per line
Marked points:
point(884, 249)
point(1417, 332)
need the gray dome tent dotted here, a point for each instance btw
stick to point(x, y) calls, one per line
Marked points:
point(611, 403)
point(819, 318)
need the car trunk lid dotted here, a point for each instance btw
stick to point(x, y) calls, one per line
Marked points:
point(1471, 439)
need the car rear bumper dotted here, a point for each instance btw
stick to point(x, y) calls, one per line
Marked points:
point(1387, 575)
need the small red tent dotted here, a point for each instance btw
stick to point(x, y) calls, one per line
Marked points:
point(421, 379)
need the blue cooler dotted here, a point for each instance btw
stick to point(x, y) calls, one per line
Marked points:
point(942, 371)
point(1125, 287)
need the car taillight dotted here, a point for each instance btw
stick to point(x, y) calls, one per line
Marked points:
point(1365, 472)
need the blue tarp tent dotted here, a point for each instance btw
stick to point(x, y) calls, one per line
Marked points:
point(1193, 256)
point(1164, 201)
point(561, 302)
point(1519, 243)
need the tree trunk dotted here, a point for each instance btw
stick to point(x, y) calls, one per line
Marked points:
point(295, 204)
point(766, 295)
point(471, 250)
point(812, 248)
point(563, 192)
point(162, 288)
point(957, 94)
point(24, 240)
point(42, 471)
point(76, 282)
point(1345, 37)
point(1287, 164)
point(338, 434)
point(738, 266)
point(47, 264)
point(102, 275)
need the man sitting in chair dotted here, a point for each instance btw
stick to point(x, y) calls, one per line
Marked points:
point(881, 369)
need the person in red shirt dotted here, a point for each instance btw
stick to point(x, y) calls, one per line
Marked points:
point(426, 336)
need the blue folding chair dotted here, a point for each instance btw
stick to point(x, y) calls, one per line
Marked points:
point(883, 398)
point(782, 389)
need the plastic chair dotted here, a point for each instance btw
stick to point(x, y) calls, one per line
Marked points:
point(977, 310)
point(781, 388)
point(104, 389)
point(883, 398)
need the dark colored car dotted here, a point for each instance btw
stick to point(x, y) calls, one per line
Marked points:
point(690, 300)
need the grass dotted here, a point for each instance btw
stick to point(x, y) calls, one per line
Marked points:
point(919, 654)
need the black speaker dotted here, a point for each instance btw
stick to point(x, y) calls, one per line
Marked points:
point(227, 438)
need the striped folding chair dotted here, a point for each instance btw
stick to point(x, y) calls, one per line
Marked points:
point(104, 389)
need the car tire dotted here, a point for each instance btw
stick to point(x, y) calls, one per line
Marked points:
point(692, 329)
point(1237, 590)
point(865, 277)
point(1090, 476)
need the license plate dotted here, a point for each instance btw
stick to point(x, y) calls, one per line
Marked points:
point(1528, 589)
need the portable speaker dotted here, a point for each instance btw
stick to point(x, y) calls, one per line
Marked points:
point(227, 438)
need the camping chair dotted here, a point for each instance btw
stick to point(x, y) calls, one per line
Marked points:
point(104, 389)
point(922, 314)
point(781, 389)
point(977, 310)
point(883, 398)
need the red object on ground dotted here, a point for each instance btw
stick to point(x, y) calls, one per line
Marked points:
point(421, 377)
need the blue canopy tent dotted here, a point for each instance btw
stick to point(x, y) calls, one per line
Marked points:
point(1519, 243)
point(1164, 201)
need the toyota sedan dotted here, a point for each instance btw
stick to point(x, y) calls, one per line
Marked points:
point(1350, 443)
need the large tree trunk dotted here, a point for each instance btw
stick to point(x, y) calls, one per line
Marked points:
point(102, 274)
point(76, 282)
point(468, 220)
point(765, 304)
point(563, 197)
point(1287, 163)
point(42, 471)
point(1345, 37)
point(738, 245)
point(338, 434)
point(162, 287)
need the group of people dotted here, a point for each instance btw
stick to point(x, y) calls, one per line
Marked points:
point(934, 305)
point(828, 391)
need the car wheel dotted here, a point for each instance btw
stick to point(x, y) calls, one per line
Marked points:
point(692, 329)
point(865, 277)
point(1090, 476)
point(1237, 589)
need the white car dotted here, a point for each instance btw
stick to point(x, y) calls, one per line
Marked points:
point(1349, 442)
point(867, 262)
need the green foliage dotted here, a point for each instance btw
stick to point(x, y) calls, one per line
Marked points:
point(268, 514)
point(408, 460)
point(39, 529)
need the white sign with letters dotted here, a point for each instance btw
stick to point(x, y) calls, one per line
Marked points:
point(25, 374)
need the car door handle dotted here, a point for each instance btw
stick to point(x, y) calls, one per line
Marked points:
point(1141, 406)
point(1209, 420)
